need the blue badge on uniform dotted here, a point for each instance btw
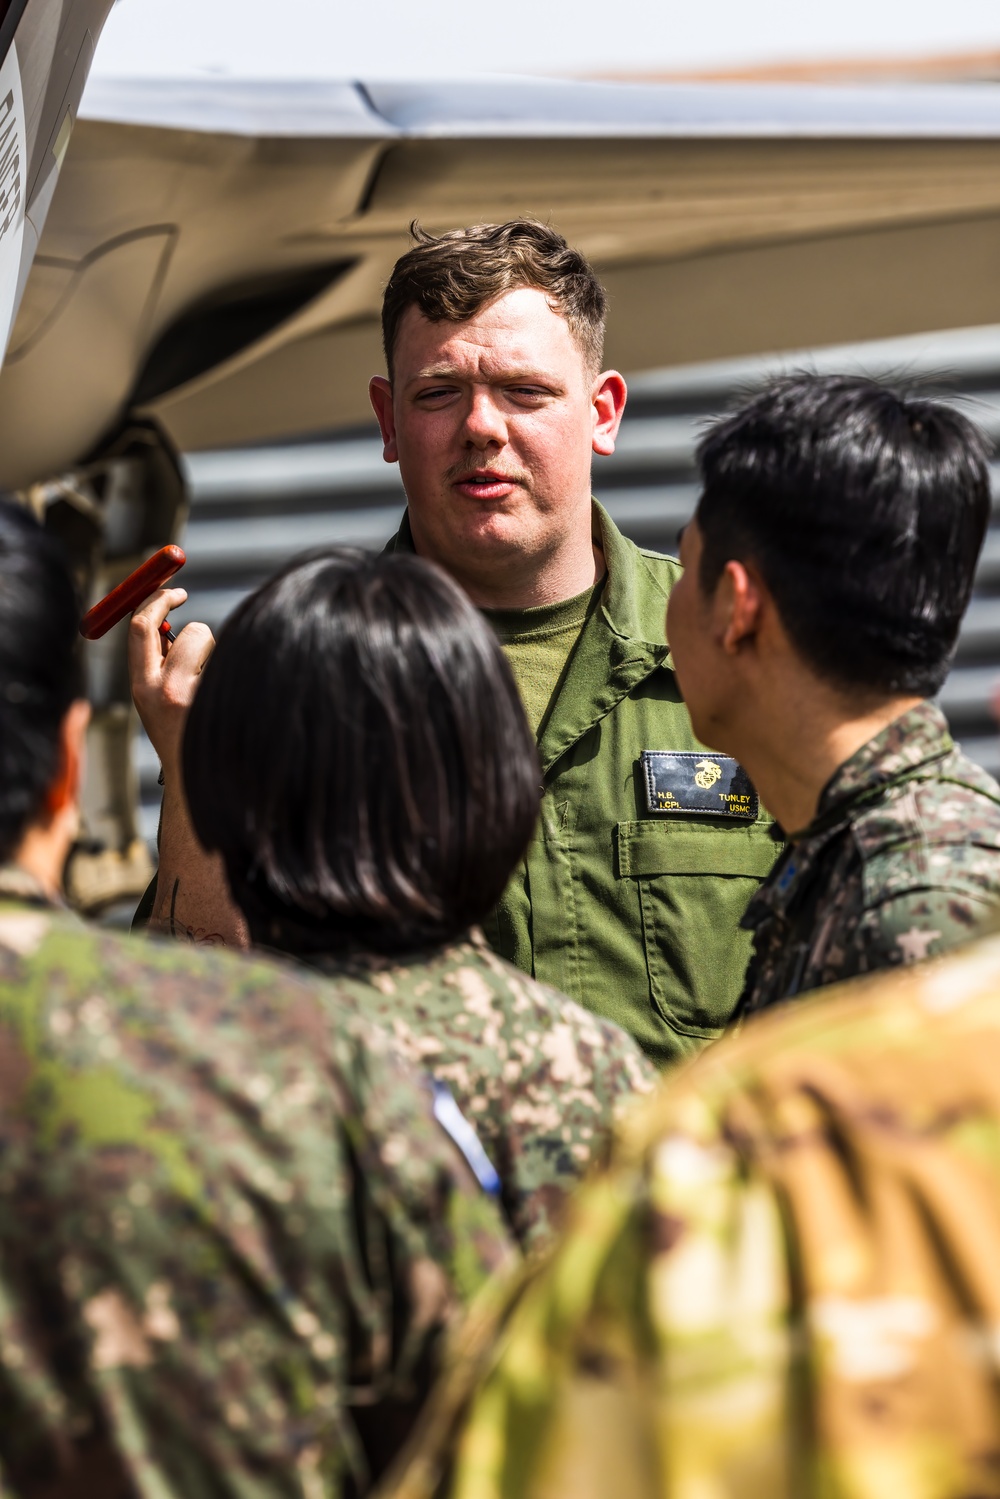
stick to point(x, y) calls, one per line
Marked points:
point(454, 1123)
point(696, 783)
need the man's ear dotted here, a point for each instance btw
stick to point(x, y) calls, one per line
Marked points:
point(64, 793)
point(739, 595)
point(380, 395)
point(610, 393)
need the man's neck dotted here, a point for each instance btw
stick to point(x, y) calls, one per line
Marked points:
point(523, 582)
point(533, 590)
point(792, 755)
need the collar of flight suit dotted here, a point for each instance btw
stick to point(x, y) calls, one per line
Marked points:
point(622, 642)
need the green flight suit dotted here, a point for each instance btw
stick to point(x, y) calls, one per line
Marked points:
point(636, 916)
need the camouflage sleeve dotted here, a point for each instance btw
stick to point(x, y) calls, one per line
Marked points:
point(784, 1286)
point(573, 1076)
point(917, 924)
point(230, 1236)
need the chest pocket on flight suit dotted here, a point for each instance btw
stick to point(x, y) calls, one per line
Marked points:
point(694, 882)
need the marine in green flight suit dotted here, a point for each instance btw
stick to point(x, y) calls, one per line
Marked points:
point(648, 848)
point(635, 913)
point(495, 403)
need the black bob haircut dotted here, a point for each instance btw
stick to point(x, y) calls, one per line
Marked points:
point(40, 674)
point(358, 754)
point(865, 508)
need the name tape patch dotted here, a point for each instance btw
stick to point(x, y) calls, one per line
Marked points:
point(699, 784)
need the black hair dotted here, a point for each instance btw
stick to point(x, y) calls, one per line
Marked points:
point(40, 674)
point(864, 506)
point(358, 753)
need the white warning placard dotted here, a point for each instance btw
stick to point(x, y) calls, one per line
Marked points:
point(13, 176)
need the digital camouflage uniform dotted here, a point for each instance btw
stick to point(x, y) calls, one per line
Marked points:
point(632, 910)
point(785, 1288)
point(539, 1077)
point(230, 1232)
point(901, 862)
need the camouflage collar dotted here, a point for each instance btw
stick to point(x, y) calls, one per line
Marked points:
point(362, 961)
point(17, 884)
point(917, 738)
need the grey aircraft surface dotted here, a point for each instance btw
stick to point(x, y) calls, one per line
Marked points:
point(46, 49)
point(211, 269)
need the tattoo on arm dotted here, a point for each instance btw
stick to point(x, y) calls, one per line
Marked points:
point(198, 934)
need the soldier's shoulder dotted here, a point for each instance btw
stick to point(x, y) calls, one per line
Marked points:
point(138, 967)
point(194, 1032)
point(560, 1027)
point(961, 801)
point(529, 995)
point(189, 1000)
point(957, 800)
point(932, 827)
point(930, 861)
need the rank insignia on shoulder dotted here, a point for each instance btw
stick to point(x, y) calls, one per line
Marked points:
point(698, 784)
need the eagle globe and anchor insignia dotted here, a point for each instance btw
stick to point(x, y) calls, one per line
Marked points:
point(692, 784)
point(707, 772)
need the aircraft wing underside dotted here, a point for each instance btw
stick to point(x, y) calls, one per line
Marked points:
point(215, 251)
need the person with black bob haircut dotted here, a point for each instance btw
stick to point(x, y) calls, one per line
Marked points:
point(828, 566)
point(357, 754)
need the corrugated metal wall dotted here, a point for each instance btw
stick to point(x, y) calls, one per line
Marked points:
point(255, 508)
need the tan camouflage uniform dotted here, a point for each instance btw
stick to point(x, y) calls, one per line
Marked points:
point(786, 1287)
point(230, 1232)
point(901, 862)
point(539, 1077)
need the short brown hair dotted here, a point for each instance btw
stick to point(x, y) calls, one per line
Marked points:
point(450, 277)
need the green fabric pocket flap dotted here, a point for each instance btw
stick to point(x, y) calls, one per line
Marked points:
point(654, 846)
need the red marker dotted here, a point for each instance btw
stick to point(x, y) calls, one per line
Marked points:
point(133, 591)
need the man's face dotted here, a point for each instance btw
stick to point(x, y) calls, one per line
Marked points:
point(493, 422)
point(692, 633)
